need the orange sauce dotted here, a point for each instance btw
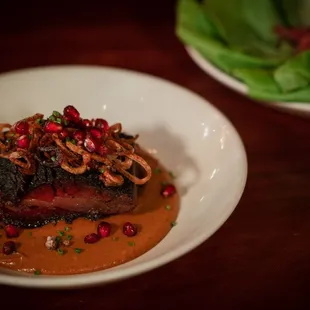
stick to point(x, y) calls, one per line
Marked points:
point(153, 216)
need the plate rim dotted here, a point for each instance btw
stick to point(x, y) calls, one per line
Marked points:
point(80, 280)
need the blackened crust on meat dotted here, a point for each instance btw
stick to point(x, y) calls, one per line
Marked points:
point(13, 184)
point(14, 187)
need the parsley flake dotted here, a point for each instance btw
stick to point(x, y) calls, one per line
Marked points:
point(61, 233)
point(60, 251)
point(67, 228)
point(168, 207)
point(37, 272)
point(69, 237)
point(102, 170)
point(56, 113)
point(78, 251)
point(131, 243)
point(172, 175)
point(173, 224)
point(157, 170)
point(53, 158)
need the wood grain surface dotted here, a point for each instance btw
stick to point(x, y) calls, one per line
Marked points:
point(260, 258)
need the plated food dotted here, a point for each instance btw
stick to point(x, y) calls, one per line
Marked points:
point(264, 45)
point(79, 195)
point(198, 143)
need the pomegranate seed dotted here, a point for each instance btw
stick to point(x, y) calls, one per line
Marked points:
point(168, 190)
point(102, 124)
point(104, 229)
point(72, 113)
point(52, 127)
point(78, 135)
point(129, 229)
point(22, 127)
point(96, 133)
point(23, 142)
point(102, 150)
point(86, 123)
point(64, 134)
point(11, 231)
point(90, 145)
point(92, 238)
point(8, 247)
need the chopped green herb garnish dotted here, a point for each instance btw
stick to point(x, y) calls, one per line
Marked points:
point(73, 141)
point(67, 228)
point(77, 250)
point(39, 121)
point(173, 224)
point(172, 175)
point(58, 120)
point(58, 239)
point(168, 207)
point(53, 158)
point(60, 251)
point(37, 272)
point(56, 113)
point(61, 233)
point(69, 237)
point(13, 135)
point(102, 170)
point(131, 243)
point(52, 118)
point(157, 170)
point(65, 122)
point(115, 238)
point(30, 233)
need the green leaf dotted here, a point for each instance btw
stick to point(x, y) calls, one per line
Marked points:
point(190, 20)
point(294, 73)
point(242, 30)
point(295, 12)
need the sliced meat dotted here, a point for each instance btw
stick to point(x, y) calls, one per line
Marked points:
point(53, 194)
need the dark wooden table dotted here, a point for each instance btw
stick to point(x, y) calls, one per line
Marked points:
point(260, 258)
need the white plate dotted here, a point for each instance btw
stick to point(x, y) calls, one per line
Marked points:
point(192, 138)
point(231, 82)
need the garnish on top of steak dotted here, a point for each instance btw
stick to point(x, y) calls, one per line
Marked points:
point(65, 167)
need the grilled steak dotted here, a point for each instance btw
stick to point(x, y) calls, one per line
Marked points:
point(53, 193)
point(63, 167)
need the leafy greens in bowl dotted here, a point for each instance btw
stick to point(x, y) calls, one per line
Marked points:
point(265, 44)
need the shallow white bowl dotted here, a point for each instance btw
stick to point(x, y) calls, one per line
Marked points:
point(191, 137)
point(231, 82)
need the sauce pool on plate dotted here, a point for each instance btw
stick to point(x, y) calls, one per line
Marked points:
point(154, 216)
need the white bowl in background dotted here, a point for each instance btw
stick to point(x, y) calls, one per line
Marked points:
point(302, 109)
